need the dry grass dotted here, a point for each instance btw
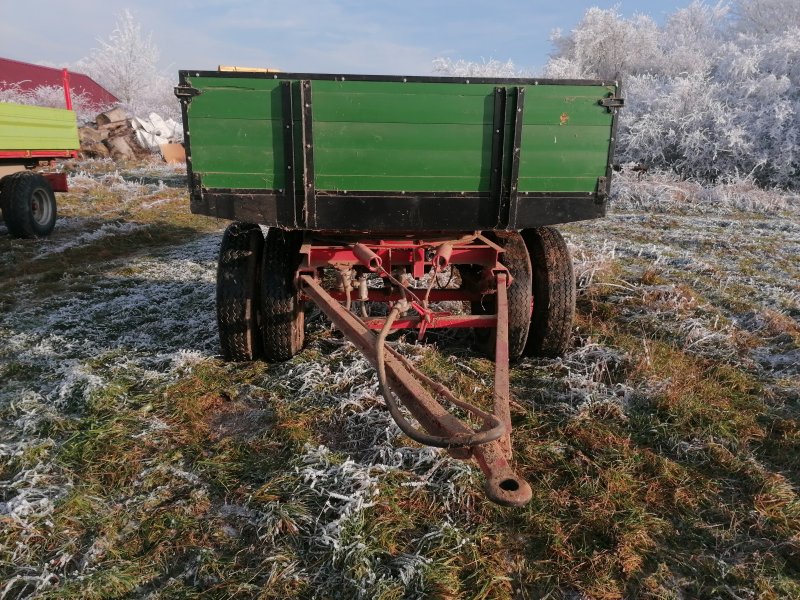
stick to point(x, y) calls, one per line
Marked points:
point(663, 450)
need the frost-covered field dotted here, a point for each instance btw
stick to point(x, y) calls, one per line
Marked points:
point(663, 450)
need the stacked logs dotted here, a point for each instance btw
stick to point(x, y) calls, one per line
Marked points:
point(114, 134)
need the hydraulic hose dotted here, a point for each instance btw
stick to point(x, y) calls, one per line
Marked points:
point(493, 427)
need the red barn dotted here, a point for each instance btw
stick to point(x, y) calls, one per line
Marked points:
point(29, 76)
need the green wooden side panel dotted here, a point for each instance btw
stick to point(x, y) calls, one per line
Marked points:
point(393, 136)
point(236, 134)
point(416, 157)
point(25, 127)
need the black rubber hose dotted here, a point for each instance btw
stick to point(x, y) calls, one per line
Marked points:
point(475, 438)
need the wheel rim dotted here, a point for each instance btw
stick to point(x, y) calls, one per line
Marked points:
point(40, 207)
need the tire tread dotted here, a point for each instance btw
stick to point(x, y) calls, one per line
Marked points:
point(238, 273)
point(17, 190)
point(283, 321)
point(553, 292)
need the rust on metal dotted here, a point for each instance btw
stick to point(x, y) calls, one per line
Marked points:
point(367, 257)
point(501, 381)
point(490, 445)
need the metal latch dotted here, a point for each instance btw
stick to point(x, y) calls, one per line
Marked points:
point(612, 102)
point(186, 92)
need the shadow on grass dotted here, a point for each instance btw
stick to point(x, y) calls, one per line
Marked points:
point(86, 251)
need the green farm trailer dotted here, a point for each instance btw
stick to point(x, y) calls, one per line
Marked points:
point(411, 192)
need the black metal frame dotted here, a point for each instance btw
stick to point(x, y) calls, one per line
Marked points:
point(503, 207)
point(184, 74)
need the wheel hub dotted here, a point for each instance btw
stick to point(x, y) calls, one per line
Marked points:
point(40, 208)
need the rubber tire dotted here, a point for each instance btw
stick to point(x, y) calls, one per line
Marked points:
point(516, 260)
point(553, 293)
point(238, 276)
point(282, 315)
point(19, 191)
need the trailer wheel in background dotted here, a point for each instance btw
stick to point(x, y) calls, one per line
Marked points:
point(282, 316)
point(238, 275)
point(29, 205)
point(516, 260)
point(553, 292)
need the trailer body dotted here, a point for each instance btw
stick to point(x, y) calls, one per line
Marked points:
point(372, 187)
point(397, 154)
point(31, 137)
point(36, 132)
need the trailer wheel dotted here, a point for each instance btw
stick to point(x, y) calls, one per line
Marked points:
point(553, 292)
point(516, 260)
point(29, 205)
point(282, 316)
point(238, 273)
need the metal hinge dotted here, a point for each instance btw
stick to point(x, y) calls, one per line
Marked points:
point(602, 189)
point(186, 92)
point(612, 102)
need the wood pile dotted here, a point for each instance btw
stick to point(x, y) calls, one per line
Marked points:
point(114, 134)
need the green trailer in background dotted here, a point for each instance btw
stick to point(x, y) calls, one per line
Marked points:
point(33, 137)
point(412, 191)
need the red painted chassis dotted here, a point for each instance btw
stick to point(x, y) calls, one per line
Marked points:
point(490, 445)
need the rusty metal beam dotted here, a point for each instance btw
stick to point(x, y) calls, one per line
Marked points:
point(502, 484)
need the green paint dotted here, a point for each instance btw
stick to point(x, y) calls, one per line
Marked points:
point(394, 136)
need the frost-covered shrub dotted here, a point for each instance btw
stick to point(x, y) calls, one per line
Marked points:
point(604, 44)
point(714, 92)
point(465, 68)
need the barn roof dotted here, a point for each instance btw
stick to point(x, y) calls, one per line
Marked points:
point(28, 76)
